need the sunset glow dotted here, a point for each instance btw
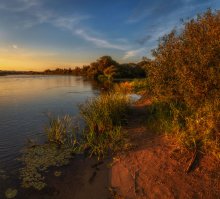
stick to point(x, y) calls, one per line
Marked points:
point(37, 34)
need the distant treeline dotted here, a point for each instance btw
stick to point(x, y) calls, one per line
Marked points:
point(106, 68)
point(3, 73)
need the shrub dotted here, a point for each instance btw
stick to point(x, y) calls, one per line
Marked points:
point(185, 79)
point(123, 87)
point(187, 65)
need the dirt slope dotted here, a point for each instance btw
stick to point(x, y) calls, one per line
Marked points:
point(155, 168)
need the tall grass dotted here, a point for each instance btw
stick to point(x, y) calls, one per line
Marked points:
point(105, 111)
point(192, 128)
point(104, 116)
point(62, 130)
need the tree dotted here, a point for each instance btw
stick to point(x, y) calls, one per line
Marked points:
point(187, 65)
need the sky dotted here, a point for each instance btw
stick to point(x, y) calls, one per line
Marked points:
point(40, 34)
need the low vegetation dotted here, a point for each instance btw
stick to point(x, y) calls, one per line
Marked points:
point(104, 116)
point(11, 193)
point(38, 159)
point(61, 145)
point(137, 86)
point(62, 130)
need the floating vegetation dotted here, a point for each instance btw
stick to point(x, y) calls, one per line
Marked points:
point(38, 159)
point(57, 173)
point(11, 193)
point(3, 176)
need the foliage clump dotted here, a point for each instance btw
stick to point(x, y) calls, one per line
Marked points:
point(185, 78)
point(104, 116)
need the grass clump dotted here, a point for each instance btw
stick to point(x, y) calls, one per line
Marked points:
point(194, 129)
point(105, 111)
point(104, 116)
point(56, 152)
point(61, 130)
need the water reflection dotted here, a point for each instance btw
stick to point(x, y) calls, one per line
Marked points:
point(24, 102)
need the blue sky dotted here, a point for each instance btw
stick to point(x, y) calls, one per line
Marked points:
point(40, 34)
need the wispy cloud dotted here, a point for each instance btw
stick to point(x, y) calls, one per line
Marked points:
point(97, 41)
point(71, 23)
point(74, 25)
point(19, 5)
point(134, 53)
point(14, 46)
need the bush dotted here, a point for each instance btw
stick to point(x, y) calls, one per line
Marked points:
point(187, 65)
point(185, 76)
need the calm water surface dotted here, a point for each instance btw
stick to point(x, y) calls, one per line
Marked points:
point(24, 104)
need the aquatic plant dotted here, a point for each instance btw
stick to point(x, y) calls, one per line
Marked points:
point(3, 175)
point(38, 159)
point(11, 193)
point(57, 173)
point(61, 130)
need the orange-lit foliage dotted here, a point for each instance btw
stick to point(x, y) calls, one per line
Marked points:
point(187, 65)
point(185, 75)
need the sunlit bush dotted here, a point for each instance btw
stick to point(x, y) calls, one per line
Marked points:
point(187, 65)
point(185, 75)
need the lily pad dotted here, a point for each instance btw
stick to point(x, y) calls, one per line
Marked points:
point(11, 193)
point(57, 173)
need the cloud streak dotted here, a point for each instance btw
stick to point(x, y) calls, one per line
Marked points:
point(72, 23)
point(19, 5)
point(134, 53)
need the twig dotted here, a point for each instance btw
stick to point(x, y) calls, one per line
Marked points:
point(190, 166)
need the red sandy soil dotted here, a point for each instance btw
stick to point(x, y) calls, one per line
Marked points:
point(156, 167)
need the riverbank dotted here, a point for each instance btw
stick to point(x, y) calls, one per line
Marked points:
point(153, 167)
point(82, 178)
point(156, 166)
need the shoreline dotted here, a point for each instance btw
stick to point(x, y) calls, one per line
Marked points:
point(152, 168)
